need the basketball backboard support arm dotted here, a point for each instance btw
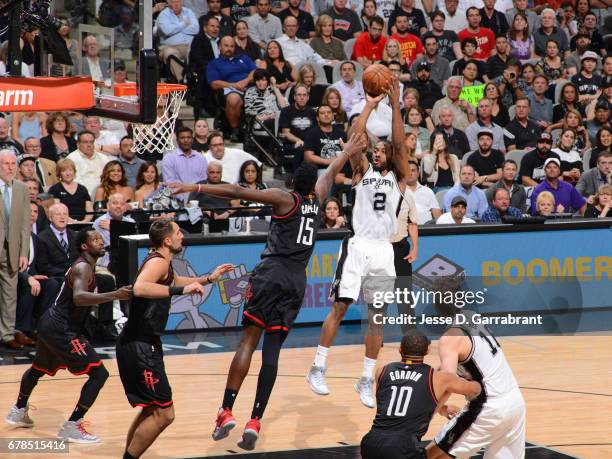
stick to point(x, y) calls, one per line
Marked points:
point(144, 109)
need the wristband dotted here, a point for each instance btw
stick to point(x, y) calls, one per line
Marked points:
point(174, 291)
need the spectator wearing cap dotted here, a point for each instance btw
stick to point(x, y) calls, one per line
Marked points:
point(125, 31)
point(27, 170)
point(518, 197)
point(521, 132)
point(456, 214)
point(486, 161)
point(587, 80)
point(429, 90)
point(564, 193)
point(597, 176)
point(370, 45)
point(45, 168)
point(119, 72)
point(589, 28)
point(439, 67)
point(500, 207)
point(485, 121)
point(473, 196)
point(548, 31)
point(463, 112)
point(601, 119)
point(532, 164)
point(583, 44)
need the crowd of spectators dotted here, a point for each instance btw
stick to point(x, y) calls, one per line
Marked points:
point(506, 108)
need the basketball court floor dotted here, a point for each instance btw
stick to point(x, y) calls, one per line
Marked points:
point(566, 382)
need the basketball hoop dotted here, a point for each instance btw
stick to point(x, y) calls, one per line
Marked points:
point(156, 137)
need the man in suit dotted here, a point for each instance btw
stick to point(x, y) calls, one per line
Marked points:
point(55, 255)
point(592, 179)
point(204, 48)
point(45, 168)
point(15, 237)
point(33, 291)
point(92, 64)
point(42, 222)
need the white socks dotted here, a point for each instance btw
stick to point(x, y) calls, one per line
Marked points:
point(321, 356)
point(368, 367)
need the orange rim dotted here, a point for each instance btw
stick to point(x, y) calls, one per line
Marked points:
point(129, 89)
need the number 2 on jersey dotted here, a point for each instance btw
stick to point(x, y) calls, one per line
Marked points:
point(305, 235)
point(401, 400)
point(380, 200)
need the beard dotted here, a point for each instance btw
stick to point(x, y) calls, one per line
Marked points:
point(380, 168)
point(176, 250)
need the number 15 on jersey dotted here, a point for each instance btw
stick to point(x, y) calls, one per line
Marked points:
point(305, 235)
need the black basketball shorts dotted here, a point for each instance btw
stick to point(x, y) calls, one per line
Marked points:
point(274, 295)
point(142, 372)
point(377, 444)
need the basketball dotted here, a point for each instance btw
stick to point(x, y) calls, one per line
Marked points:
point(376, 79)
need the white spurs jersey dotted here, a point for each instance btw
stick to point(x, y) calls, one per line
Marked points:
point(377, 202)
point(486, 363)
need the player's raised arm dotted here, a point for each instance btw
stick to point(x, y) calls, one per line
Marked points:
point(281, 201)
point(148, 284)
point(359, 164)
point(211, 278)
point(82, 276)
point(400, 158)
point(354, 148)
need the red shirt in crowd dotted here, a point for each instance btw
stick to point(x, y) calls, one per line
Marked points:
point(364, 47)
point(411, 46)
point(485, 39)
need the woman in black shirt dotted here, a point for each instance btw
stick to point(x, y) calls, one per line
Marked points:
point(277, 67)
point(244, 44)
point(602, 203)
point(70, 193)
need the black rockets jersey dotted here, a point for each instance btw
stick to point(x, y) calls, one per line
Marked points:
point(405, 401)
point(292, 236)
point(64, 314)
point(148, 316)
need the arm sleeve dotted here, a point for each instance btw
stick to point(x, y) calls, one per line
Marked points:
point(168, 172)
point(168, 25)
point(253, 32)
point(194, 25)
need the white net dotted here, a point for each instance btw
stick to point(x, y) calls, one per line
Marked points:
point(158, 137)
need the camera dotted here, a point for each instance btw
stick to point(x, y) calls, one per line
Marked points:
point(512, 75)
